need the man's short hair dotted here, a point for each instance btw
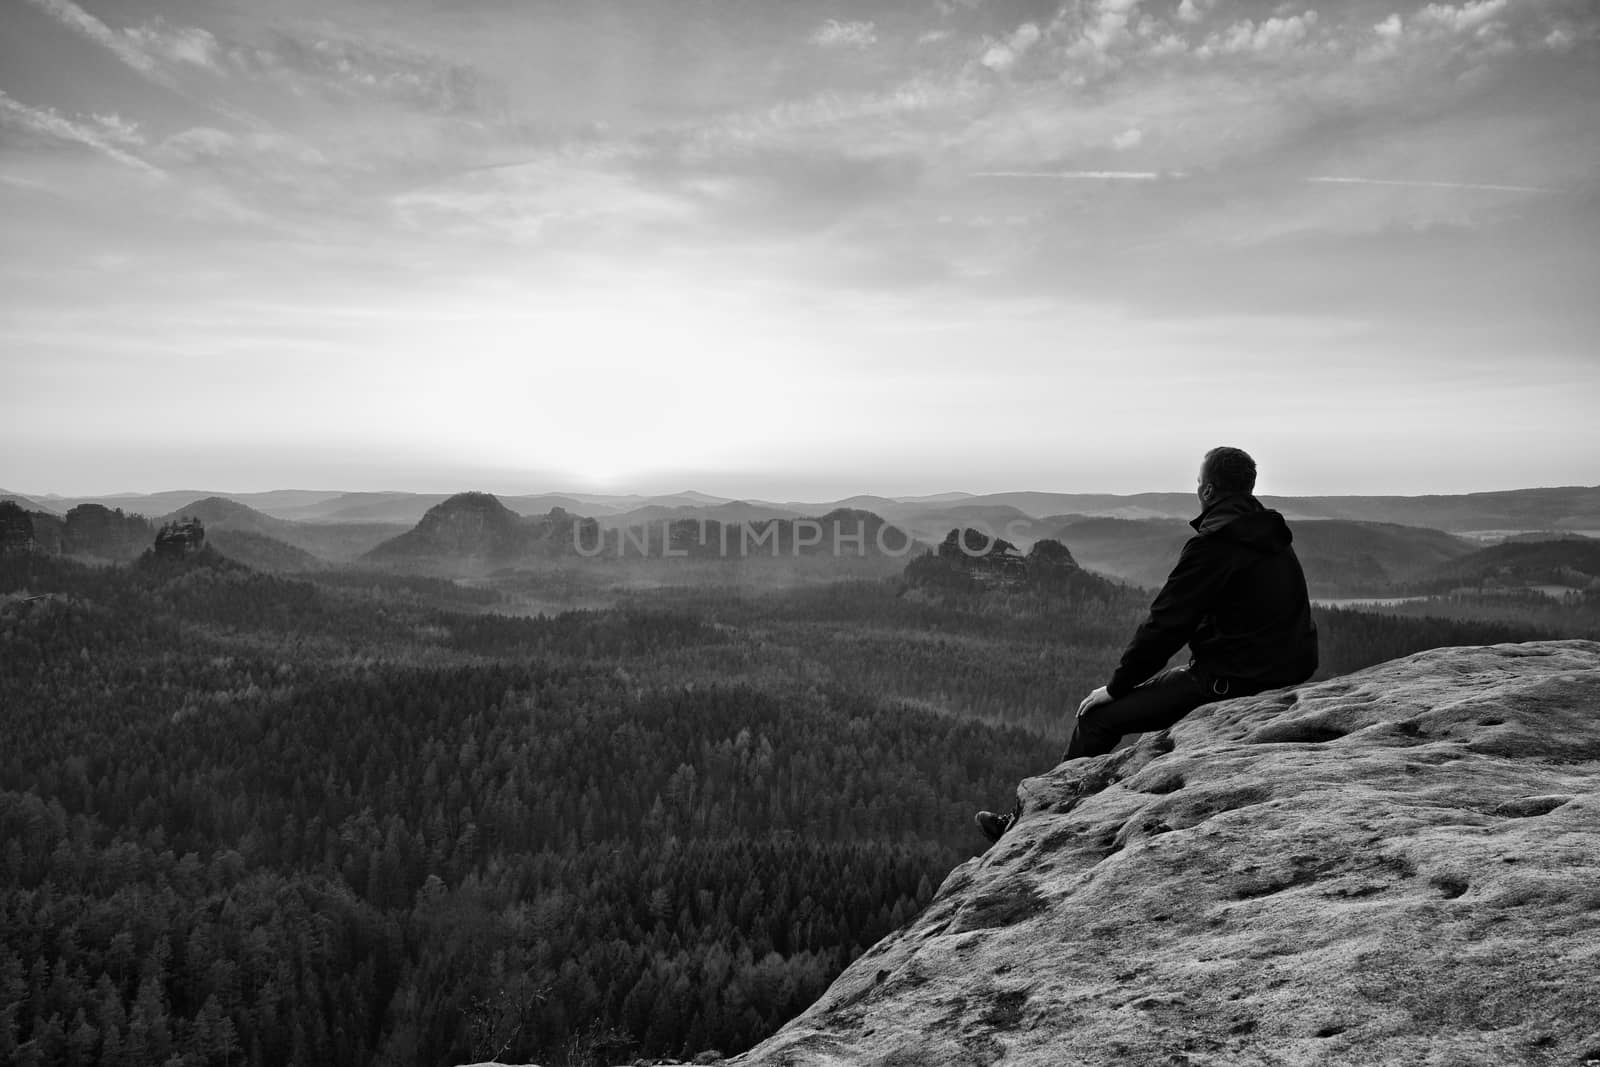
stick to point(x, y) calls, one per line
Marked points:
point(1231, 470)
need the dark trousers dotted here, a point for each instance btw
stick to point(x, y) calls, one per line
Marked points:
point(1156, 704)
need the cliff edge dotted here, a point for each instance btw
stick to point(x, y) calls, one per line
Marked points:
point(1396, 866)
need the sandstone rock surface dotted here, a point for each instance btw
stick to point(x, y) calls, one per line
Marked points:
point(1396, 866)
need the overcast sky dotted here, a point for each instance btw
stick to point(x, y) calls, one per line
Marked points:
point(784, 248)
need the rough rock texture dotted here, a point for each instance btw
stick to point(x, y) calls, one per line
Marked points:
point(1397, 866)
point(16, 529)
point(180, 538)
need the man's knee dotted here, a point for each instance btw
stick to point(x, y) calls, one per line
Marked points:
point(1091, 734)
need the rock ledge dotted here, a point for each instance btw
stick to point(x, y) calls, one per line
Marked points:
point(1396, 866)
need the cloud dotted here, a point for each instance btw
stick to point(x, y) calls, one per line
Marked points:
point(113, 127)
point(836, 34)
point(1097, 41)
point(1559, 39)
point(1469, 16)
point(1155, 175)
point(1480, 31)
point(198, 142)
point(177, 44)
point(1270, 37)
point(539, 201)
point(1168, 45)
point(253, 148)
point(1408, 184)
point(100, 133)
point(1083, 175)
point(421, 79)
point(1001, 56)
point(151, 49)
point(76, 18)
point(830, 120)
point(1097, 37)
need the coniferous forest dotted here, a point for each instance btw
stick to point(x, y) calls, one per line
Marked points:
point(358, 818)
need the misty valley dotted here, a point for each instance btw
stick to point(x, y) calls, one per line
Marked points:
point(391, 779)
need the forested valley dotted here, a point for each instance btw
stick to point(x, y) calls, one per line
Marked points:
point(359, 818)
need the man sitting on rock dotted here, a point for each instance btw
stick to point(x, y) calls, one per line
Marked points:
point(1237, 597)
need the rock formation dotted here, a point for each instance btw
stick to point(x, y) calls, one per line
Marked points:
point(970, 563)
point(104, 533)
point(1397, 866)
point(968, 560)
point(16, 529)
point(48, 530)
point(475, 530)
point(180, 538)
point(1050, 565)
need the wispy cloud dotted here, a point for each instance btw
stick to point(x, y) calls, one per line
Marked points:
point(176, 44)
point(411, 75)
point(1178, 175)
point(151, 49)
point(1083, 175)
point(1409, 184)
point(100, 133)
point(76, 18)
point(836, 34)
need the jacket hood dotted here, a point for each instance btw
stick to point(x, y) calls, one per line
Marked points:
point(1242, 518)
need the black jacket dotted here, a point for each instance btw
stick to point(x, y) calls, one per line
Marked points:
point(1237, 598)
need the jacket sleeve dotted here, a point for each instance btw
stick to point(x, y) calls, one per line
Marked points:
point(1202, 569)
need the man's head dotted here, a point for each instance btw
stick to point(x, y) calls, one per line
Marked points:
point(1225, 470)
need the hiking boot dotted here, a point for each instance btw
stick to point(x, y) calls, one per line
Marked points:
point(994, 825)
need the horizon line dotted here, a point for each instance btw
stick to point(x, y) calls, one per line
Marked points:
point(718, 499)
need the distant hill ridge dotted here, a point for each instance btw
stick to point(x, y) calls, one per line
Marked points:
point(1571, 508)
point(475, 528)
point(1341, 557)
point(1569, 563)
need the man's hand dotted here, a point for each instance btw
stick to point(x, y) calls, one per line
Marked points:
point(1094, 699)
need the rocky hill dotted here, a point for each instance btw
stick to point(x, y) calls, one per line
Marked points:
point(94, 531)
point(1559, 508)
point(6, 496)
point(842, 533)
point(732, 513)
point(16, 528)
point(475, 530)
point(1341, 558)
point(261, 552)
point(1565, 562)
point(1398, 866)
point(271, 543)
point(971, 567)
